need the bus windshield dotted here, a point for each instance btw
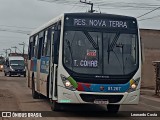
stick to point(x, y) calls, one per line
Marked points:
point(17, 62)
point(103, 53)
point(1, 62)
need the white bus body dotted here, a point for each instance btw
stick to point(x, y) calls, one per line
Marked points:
point(86, 58)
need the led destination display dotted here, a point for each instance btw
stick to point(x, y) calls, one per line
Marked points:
point(99, 23)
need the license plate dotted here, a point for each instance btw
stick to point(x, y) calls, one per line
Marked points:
point(101, 101)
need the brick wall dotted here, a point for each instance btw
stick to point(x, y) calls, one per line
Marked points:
point(151, 40)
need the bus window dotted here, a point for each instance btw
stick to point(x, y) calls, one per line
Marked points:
point(35, 46)
point(30, 48)
point(47, 50)
point(44, 43)
point(52, 38)
point(40, 43)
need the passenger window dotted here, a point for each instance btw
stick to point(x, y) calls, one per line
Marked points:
point(44, 43)
point(48, 45)
point(48, 48)
point(52, 39)
point(40, 43)
point(30, 48)
point(35, 46)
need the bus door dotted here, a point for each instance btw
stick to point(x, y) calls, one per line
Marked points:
point(39, 52)
point(55, 35)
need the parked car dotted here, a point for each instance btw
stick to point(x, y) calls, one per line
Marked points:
point(14, 65)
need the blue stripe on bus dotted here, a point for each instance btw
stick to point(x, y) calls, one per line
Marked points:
point(44, 65)
point(103, 87)
point(34, 64)
point(110, 87)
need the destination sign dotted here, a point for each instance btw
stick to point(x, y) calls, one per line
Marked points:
point(99, 23)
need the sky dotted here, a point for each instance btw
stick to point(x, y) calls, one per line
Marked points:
point(19, 17)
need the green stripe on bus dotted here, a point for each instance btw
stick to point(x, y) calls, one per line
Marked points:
point(73, 82)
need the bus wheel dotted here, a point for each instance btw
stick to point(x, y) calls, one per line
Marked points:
point(113, 108)
point(35, 94)
point(55, 106)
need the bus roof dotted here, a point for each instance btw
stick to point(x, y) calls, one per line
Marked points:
point(54, 20)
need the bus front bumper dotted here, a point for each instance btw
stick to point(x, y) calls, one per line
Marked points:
point(68, 96)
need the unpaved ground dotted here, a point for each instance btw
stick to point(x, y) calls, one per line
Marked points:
point(16, 96)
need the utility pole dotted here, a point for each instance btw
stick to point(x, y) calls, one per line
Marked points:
point(23, 47)
point(9, 50)
point(1, 54)
point(89, 3)
point(5, 50)
point(15, 47)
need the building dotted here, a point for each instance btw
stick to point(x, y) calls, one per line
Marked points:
point(151, 40)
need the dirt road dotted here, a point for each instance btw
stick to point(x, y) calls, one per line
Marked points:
point(16, 96)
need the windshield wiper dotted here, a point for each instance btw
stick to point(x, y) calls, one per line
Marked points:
point(111, 47)
point(113, 43)
point(94, 44)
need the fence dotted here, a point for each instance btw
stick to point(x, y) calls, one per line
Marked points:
point(156, 65)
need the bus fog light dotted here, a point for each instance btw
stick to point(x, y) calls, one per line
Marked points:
point(133, 86)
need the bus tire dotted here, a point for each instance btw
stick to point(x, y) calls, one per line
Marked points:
point(55, 106)
point(35, 94)
point(113, 108)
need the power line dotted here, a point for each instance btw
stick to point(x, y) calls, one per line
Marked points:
point(89, 3)
point(74, 6)
point(12, 37)
point(16, 31)
point(108, 5)
point(148, 12)
point(16, 26)
point(149, 18)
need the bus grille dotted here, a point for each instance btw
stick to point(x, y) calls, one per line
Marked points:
point(110, 98)
point(18, 70)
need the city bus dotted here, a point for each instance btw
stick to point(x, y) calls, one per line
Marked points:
point(86, 58)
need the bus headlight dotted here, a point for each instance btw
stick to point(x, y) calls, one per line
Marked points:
point(67, 83)
point(133, 84)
